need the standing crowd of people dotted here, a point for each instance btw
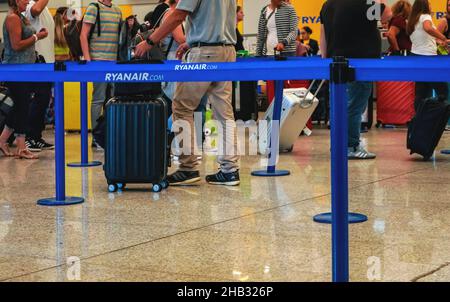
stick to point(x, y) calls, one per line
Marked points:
point(204, 31)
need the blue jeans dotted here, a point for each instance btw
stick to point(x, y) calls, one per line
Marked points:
point(358, 97)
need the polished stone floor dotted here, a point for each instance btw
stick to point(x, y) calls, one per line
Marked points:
point(260, 231)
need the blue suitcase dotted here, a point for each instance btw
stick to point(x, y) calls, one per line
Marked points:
point(136, 144)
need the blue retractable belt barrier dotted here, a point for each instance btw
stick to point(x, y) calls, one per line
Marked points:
point(426, 69)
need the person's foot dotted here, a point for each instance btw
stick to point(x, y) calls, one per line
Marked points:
point(359, 153)
point(447, 128)
point(25, 154)
point(41, 143)
point(5, 150)
point(226, 179)
point(32, 145)
point(180, 178)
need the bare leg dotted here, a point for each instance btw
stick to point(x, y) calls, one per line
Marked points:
point(6, 133)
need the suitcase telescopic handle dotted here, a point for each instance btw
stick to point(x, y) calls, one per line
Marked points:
point(305, 103)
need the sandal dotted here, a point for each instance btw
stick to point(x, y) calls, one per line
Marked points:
point(5, 150)
point(25, 154)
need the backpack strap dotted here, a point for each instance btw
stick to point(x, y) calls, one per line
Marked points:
point(158, 23)
point(97, 22)
point(171, 42)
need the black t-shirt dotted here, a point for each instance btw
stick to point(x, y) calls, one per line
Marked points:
point(348, 30)
point(240, 41)
point(157, 13)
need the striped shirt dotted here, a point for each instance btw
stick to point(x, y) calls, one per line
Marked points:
point(105, 46)
point(286, 20)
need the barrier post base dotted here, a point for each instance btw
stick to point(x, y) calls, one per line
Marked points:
point(265, 173)
point(66, 202)
point(84, 165)
point(352, 218)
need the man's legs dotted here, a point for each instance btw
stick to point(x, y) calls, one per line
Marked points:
point(99, 96)
point(358, 97)
point(220, 95)
point(98, 99)
point(187, 98)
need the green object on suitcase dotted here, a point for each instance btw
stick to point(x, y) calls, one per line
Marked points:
point(243, 54)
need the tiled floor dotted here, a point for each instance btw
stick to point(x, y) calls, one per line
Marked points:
point(260, 231)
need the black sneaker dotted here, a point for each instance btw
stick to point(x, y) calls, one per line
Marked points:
point(227, 179)
point(32, 145)
point(179, 178)
point(44, 145)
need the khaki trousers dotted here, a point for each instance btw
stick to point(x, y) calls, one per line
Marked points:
point(187, 98)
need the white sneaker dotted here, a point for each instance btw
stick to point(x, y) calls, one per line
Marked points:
point(359, 153)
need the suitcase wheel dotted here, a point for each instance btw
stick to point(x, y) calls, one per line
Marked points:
point(112, 188)
point(121, 186)
point(164, 184)
point(157, 188)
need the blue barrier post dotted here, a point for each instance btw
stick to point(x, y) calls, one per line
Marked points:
point(274, 136)
point(60, 178)
point(339, 217)
point(84, 131)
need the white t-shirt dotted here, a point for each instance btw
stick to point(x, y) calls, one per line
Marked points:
point(45, 47)
point(422, 42)
point(272, 35)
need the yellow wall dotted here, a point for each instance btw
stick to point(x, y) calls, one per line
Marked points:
point(72, 105)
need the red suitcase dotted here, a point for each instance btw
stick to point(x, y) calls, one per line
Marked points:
point(395, 102)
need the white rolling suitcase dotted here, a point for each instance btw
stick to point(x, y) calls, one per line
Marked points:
point(297, 108)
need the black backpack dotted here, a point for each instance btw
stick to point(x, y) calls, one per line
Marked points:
point(73, 30)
